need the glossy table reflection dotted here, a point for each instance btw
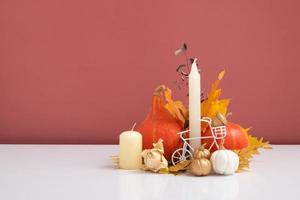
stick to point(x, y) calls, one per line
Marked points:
point(53, 172)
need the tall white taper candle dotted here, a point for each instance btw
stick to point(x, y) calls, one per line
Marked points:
point(194, 105)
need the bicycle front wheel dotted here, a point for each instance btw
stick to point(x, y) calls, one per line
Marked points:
point(180, 155)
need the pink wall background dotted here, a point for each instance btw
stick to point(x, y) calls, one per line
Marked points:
point(82, 71)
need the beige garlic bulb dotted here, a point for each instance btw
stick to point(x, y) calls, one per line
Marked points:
point(154, 159)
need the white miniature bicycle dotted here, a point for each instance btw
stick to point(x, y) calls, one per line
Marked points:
point(186, 152)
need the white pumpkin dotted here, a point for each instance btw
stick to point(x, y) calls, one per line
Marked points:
point(224, 161)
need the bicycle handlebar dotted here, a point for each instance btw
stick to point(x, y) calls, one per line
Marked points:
point(205, 119)
point(182, 132)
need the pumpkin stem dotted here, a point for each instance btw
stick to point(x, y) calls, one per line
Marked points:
point(202, 147)
point(157, 100)
point(222, 144)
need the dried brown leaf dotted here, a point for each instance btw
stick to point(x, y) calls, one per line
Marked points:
point(182, 166)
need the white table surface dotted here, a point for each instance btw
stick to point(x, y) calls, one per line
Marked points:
point(44, 172)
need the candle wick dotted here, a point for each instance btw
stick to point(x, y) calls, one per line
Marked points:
point(133, 126)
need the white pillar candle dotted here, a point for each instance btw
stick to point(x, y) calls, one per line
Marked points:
point(130, 150)
point(194, 105)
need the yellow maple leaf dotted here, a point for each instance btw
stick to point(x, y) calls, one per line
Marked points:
point(176, 108)
point(212, 105)
point(247, 153)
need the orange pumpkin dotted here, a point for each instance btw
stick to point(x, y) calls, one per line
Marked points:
point(159, 123)
point(236, 138)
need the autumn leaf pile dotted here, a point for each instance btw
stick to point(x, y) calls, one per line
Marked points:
point(212, 105)
point(209, 108)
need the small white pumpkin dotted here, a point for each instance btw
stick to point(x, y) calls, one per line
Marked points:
point(224, 161)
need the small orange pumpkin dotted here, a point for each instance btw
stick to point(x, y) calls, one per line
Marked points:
point(159, 123)
point(236, 138)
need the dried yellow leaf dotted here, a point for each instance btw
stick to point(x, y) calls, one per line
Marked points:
point(247, 153)
point(180, 166)
point(176, 108)
point(164, 171)
point(115, 159)
point(212, 105)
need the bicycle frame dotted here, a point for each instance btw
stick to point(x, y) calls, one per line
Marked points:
point(214, 136)
point(185, 141)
